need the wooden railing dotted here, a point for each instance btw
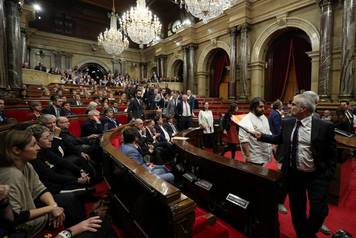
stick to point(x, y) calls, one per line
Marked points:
point(145, 205)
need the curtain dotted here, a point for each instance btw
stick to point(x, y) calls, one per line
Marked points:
point(287, 52)
point(281, 65)
point(219, 66)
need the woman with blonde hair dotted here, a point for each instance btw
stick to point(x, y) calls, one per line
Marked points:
point(16, 150)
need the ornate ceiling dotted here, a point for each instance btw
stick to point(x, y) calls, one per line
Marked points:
point(87, 18)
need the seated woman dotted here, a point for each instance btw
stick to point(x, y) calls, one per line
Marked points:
point(91, 227)
point(130, 149)
point(56, 173)
point(16, 150)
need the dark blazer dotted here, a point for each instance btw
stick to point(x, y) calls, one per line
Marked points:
point(323, 145)
point(169, 128)
point(180, 108)
point(91, 127)
point(161, 138)
point(109, 124)
point(135, 109)
point(51, 110)
point(275, 121)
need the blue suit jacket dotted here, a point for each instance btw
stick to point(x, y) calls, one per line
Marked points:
point(275, 122)
point(132, 152)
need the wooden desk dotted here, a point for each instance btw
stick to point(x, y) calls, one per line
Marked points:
point(200, 169)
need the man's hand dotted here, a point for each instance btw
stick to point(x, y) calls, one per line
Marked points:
point(256, 134)
point(57, 216)
point(4, 191)
point(85, 156)
point(56, 131)
point(93, 136)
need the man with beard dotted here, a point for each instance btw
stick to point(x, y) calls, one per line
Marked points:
point(255, 152)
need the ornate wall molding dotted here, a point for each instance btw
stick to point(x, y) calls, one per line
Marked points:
point(260, 44)
point(205, 53)
point(96, 61)
point(170, 63)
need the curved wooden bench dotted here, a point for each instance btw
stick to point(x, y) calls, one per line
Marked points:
point(146, 205)
point(243, 194)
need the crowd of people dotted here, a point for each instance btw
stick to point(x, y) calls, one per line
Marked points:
point(51, 172)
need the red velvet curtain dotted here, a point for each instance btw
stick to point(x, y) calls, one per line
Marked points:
point(219, 66)
point(281, 66)
point(287, 50)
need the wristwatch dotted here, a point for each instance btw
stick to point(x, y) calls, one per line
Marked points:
point(65, 234)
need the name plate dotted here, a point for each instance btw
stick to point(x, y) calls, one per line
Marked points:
point(237, 200)
point(190, 177)
point(204, 184)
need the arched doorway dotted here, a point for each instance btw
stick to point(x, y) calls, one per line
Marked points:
point(288, 67)
point(219, 73)
point(95, 70)
point(178, 70)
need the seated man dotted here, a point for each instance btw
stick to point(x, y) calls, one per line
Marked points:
point(93, 125)
point(109, 121)
point(129, 148)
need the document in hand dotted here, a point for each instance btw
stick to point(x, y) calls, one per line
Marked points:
point(243, 122)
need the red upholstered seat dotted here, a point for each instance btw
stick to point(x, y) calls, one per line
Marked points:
point(122, 118)
point(78, 110)
point(18, 114)
point(74, 127)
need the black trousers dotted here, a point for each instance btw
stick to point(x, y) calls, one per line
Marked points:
point(185, 122)
point(299, 183)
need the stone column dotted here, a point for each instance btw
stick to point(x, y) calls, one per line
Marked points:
point(142, 70)
point(3, 47)
point(326, 29)
point(233, 64)
point(185, 68)
point(162, 63)
point(14, 56)
point(203, 89)
point(348, 47)
point(243, 62)
point(192, 83)
point(158, 66)
point(116, 66)
point(23, 45)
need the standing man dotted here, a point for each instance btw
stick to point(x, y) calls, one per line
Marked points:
point(185, 112)
point(345, 105)
point(135, 108)
point(309, 164)
point(255, 152)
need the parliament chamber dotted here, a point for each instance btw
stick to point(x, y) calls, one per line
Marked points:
point(149, 118)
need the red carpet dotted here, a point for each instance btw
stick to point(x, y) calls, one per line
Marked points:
point(342, 216)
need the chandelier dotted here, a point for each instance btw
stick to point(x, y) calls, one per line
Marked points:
point(113, 40)
point(140, 24)
point(205, 9)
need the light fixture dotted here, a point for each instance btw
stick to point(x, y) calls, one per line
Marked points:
point(113, 40)
point(141, 25)
point(37, 7)
point(205, 9)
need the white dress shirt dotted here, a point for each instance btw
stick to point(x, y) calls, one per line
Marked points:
point(305, 161)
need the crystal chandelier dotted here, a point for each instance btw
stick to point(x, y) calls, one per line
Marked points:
point(113, 40)
point(205, 9)
point(140, 24)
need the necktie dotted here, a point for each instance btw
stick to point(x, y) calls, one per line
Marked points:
point(294, 149)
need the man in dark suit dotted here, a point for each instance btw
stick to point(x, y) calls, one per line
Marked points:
point(345, 105)
point(309, 164)
point(170, 126)
point(55, 107)
point(185, 113)
point(135, 108)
